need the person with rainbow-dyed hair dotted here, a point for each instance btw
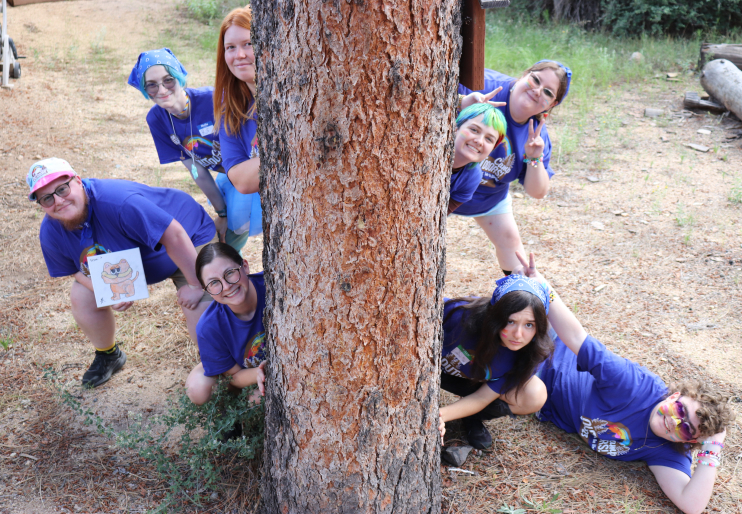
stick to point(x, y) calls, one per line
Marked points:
point(182, 126)
point(524, 155)
point(479, 129)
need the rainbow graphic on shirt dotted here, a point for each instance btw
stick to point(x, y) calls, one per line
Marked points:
point(619, 432)
point(254, 351)
point(191, 143)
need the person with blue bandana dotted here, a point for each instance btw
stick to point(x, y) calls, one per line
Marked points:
point(524, 155)
point(182, 127)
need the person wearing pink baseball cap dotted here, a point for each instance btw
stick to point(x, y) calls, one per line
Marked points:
point(86, 217)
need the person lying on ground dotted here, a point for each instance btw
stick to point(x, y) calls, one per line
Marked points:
point(625, 412)
point(479, 129)
point(235, 111)
point(524, 154)
point(231, 336)
point(491, 350)
point(86, 217)
point(182, 126)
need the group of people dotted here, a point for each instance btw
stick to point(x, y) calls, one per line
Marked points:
point(519, 352)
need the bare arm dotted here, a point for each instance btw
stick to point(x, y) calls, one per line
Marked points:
point(691, 495)
point(453, 205)
point(536, 182)
point(469, 405)
point(205, 181)
point(181, 250)
point(566, 325)
point(245, 176)
point(88, 283)
point(243, 377)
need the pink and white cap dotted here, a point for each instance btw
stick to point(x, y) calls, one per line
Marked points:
point(45, 171)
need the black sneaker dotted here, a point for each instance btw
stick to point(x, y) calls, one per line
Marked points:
point(477, 434)
point(104, 365)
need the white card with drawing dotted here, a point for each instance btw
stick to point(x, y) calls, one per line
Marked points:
point(118, 277)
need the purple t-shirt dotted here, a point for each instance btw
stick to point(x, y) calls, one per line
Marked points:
point(505, 163)
point(124, 215)
point(225, 340)
point(458, 350)
point(465, 182)
point(195, 133)
point(237, 148)
point(608, 401)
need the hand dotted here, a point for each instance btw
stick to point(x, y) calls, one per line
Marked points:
point(189, 296)
point(261, 378)
point(221, 228)
point(121, 307)
point(528, 268)
point(479, 98)
point(534, 145)
point(441, 426)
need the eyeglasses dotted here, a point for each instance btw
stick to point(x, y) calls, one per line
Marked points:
point(62, 191)
point(231, 276)
point(534, 83)
point(153, 87)
point(676, 411)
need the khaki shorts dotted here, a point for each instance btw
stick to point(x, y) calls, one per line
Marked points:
point(179, 279)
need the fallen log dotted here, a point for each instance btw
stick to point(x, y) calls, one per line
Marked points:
point(693, 101)
point(710, 52)
point(723, 80)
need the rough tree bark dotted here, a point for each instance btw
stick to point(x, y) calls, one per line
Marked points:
point(355, 101)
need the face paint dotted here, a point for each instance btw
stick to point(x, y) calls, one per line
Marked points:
point(676, 412)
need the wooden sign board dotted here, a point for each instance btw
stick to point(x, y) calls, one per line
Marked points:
point(471, 64)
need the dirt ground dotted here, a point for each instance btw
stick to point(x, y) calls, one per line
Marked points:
point(640, 234)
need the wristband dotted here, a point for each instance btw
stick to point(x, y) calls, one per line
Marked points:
point(720, 445)
point(533, 161)
point(222, 213)
point(458, 105)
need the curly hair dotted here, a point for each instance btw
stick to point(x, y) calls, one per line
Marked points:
point(714, 413)
point(483, 324)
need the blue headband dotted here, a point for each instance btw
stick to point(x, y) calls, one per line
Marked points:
point(566, 70)
point(520, 283)
point(162, 57)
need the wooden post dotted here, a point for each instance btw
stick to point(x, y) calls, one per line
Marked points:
point(471, 65)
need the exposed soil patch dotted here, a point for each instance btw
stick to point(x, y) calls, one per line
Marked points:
point(638, 234)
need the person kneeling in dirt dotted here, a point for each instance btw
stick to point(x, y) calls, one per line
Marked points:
point(87, 217)
point(231, 336)
point(625, 412)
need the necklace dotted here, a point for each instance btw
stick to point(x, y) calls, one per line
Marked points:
point(646, 436)
point(176, 140)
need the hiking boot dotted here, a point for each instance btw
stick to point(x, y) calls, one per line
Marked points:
point(477, 434)
point(104, 365)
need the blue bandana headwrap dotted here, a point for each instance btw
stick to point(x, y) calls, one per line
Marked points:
point(566, 70)
point(163, 57)
point(520, 283)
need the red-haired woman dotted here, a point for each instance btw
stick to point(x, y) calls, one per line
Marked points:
point(234, 101)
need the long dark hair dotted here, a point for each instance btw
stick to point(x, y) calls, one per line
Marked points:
point(483, 323)
point(210, 252)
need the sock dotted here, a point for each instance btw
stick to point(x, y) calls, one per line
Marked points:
point(107, 351)
point(506, 272)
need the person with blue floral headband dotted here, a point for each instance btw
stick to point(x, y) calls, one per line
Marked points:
point(524, 155)
point(491, 350)
point(182, 126)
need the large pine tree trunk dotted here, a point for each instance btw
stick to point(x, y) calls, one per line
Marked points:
point(356, 108)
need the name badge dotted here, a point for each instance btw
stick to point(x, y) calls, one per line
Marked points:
point(206, 129)
point(461, 355)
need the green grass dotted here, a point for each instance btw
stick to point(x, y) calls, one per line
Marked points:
point(207, 11)
point(735, 194)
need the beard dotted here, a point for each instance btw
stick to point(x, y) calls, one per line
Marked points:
point(76, 222)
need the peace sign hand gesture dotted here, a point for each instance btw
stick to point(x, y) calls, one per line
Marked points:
point(534, 147)
point(479, 98)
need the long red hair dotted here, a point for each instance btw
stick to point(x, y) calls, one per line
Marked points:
point(231, 95)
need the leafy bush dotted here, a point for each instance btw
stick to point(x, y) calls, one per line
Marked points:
point(209, 10)
point(637, 17)
point(195, 467)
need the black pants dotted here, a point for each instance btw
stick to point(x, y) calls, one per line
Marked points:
point(464, 387)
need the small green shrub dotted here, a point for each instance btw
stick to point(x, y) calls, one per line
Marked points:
point(208, 10)
point(194, 469)
point(735, 194)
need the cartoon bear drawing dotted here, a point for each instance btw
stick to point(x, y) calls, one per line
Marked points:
point(118, 276)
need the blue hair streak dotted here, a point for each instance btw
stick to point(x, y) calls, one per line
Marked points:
point(491, 117)
point(176, 74)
